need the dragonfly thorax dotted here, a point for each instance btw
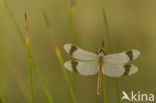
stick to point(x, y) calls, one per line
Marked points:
point(101, 55)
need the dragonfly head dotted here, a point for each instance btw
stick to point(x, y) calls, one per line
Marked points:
point(102, 50)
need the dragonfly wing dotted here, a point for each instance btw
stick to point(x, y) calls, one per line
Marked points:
point(122, 57)
point(79, 53)
point(83, 68)
point(118, 70)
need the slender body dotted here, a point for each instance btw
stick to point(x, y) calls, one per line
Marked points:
point(101, 67)
point(100, 62)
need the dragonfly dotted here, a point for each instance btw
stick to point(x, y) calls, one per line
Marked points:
point(112, 65)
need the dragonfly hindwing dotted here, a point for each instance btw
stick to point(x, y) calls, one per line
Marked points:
point(118, 70)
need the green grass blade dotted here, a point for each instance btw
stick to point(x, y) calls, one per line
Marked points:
point(104, 80)
point(21, 34)
point(68, 82)
point(44, 86)
point(30, 74)
point(15, 22)
point(104, 89)
point(16, 75)
point(71, 21)
point(117, 89)
point(107, 31)
point(2, 50)
point(29, 62)
point(59, 56)
point(110, 49)
point(1, 97)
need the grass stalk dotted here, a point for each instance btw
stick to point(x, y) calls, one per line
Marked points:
point(58, 53)
point(72, 28)
point(104, 80)
point(104, 89)
point(2, 50)
point(15, 22)
point(29, 61)
point(44, 86)
point(117, 89)
point(110, 49)
point(71, 21)
point(15, 73)
point(69, 85)
point(1, 97)
point(107, 31)
point(2, 62)
point(32, 58)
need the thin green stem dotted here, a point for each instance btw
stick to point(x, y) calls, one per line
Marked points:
point(15, 22)
point(107, 31)
point(104, 89)
point(110, 49)
point(58, 53)
point(30, 74)
point(29, 61)
point(67, 80)
point(117, 90)
point(72, 35)
point(2, 50)
point(21, 34)
point(50, 100)
point(1, 97)
point(71, 21)
point(16, 74)
point(71, 28)
point(104, 81)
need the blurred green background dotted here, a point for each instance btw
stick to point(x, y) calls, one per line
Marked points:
point(132, 24)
